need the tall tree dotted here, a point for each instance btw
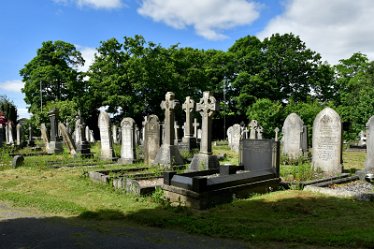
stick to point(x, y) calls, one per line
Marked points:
point(52, 75)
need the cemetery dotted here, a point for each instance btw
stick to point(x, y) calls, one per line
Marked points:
point(246, 167)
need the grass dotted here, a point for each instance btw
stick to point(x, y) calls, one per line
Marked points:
point(290, 216)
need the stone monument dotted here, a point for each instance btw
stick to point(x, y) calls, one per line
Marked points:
point(19, 140)
point(327, 142)
point(204, 159)
point(188, 137)
point(107, 152)
point(55, 143)
point(369, 163)
point(127, 141)
point(83, 147)
point(235, 137)
point(195, 127)
point(151, 138)
point(67, 139)
point(293, 128)
point(169, 155)
point(253, 129)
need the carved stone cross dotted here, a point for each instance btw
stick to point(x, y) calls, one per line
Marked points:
point(276, 133)
point(195, 126)
point(188, 106)
point(207, 106)
point(169, 105)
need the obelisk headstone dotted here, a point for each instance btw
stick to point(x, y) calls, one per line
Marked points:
point(55, 144)
point(128, 144)
point(204, 159)
point(169, 154)
point(327, 142)
point(107, 152)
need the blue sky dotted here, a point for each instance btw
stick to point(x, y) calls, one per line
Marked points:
point(335, 28)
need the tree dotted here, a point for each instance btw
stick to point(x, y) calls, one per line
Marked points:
point(8, 108)
point(52, 75)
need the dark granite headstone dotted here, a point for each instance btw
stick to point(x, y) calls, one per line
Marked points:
point(17, 161)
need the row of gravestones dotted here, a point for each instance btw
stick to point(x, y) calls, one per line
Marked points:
point(168, 153)
point(7, 135)
point(236, 132)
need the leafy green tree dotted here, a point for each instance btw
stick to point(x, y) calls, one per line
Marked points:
point(8, 108)
point(52, 75)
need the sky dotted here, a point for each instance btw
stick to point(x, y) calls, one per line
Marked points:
point(334, 28)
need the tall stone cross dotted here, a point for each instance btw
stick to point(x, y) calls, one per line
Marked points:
point(276, 130)
point(207, 106)
point(169, 105)
point(188, 106)
point(195, 126)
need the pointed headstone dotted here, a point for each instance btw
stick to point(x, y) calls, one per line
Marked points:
point(293, 128)
point(151, 138)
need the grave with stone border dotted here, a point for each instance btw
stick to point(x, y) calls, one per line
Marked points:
point(258, 172)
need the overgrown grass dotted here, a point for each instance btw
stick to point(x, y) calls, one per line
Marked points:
point(286, 216)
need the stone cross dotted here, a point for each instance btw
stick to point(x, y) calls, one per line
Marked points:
point(207, 107)
point(188, 106)
point(276, 130)
point(252, 129)
point(169, 105)
point(195, 127)
point(176, 127)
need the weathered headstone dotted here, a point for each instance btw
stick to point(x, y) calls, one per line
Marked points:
point(44, 133)
point(87, 132)
point(229, 136)
point(169, 155)
point(369, 163)
point(30, 140)
point(327, 142)
point(83, 147)
point(10, 132)
point(204, 159)
point(115, 134)
point(127, 141)
point(259, 131)
point(55, 144)
point(67, 139)
point(235, 137)
point(107, 152)
point(151, 138)
point(188, 137)
point(78, 134)
point(293, 128)
point(92, 137)
point(19, 134)
point(252, 129)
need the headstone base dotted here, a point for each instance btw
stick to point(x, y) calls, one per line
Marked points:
point(125, 161)
point(168, 156)
point(55, 147)
point(203, 162)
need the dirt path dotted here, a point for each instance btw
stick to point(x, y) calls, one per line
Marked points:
point(25, 228)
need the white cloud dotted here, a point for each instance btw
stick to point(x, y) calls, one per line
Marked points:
point(97, 4)
point(88, 55)
point(336, 28)
point(23, 113)
point(12, 85)
point(209, 18)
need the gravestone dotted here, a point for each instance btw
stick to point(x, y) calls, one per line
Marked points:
point(17, 161)
point(10, 132)
point(151, 138)
point(188, 137)
point(229, 136)
point(327, 142)
point(259, 131)
point(30, 141)
point(107, 152)
point(362, 138)
point(19, 134)
point(176, 128)
point(369, 163)
point(115, 134)
point(67, 139)
point(83, 147)
point(199, 134)
point(44, 133)
point(169, 155)
point(276, 131)
point(127, 141)
point(235, 137)
point(87, 132)
point(55, 144)
point(137, 135)
point(92, 138)
point(293, 128)
point(252, 129)
point(204, 159)
point(195, 127)
point(1, 135)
